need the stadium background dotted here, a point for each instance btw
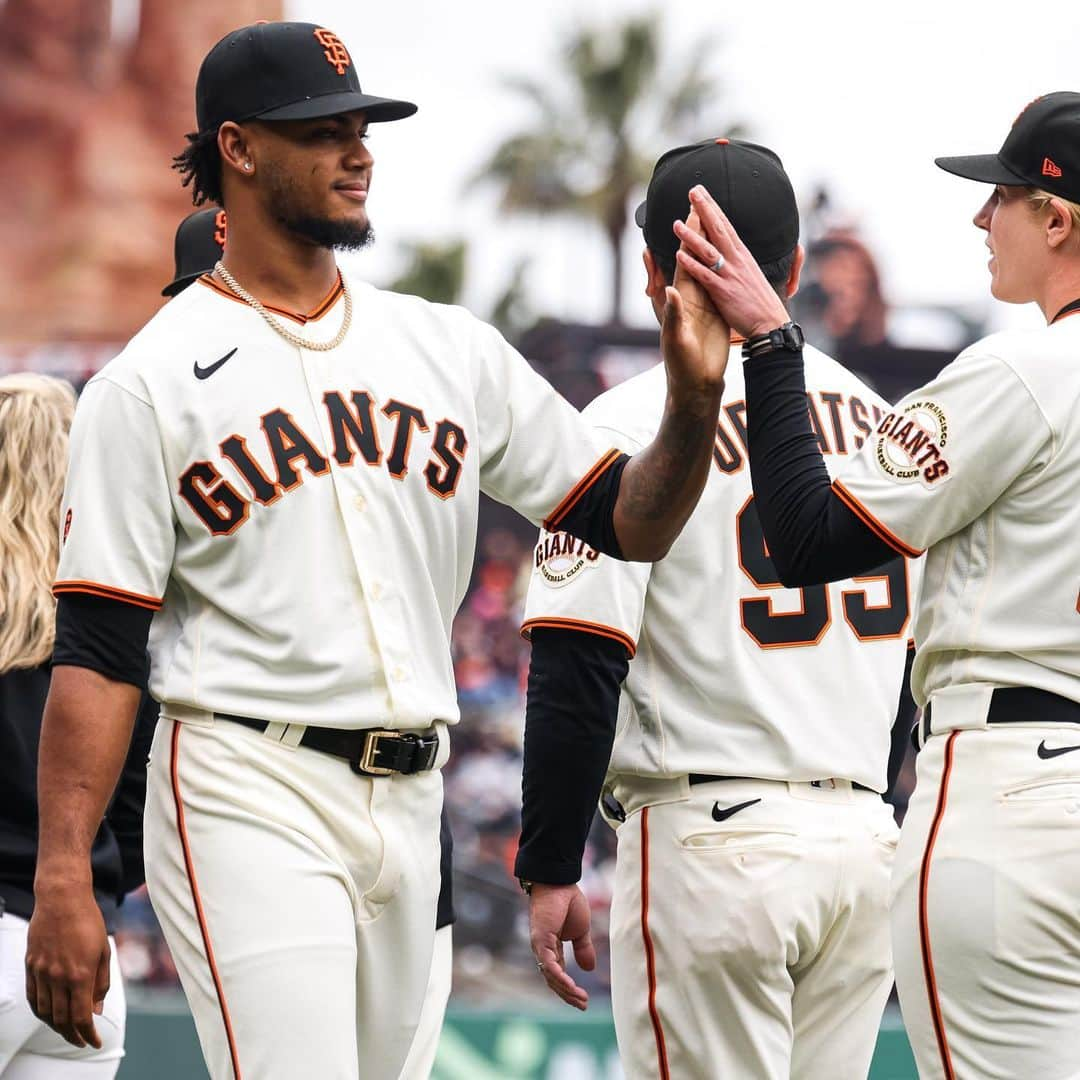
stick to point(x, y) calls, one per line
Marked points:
point(94, 99)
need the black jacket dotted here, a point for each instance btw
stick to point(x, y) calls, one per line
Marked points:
point(116, 857)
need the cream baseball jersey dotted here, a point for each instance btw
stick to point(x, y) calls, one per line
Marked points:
point(732, 673)
point(982, 467)
point(303, 522)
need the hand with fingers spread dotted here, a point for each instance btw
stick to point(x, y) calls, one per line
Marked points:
point(559, 913)
point(737, 286)
point(67, 963)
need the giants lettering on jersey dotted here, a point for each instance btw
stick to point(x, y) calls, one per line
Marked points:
point(830, 413)
point(223, 508)
point(561, 557)
point(910, 444)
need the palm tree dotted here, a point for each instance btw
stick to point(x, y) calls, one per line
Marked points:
point(435, 271)
point(593, 147)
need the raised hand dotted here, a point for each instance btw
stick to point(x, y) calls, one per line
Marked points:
point(738, 288)
point(694, 338)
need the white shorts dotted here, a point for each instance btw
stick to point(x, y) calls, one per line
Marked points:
point(29, 1048)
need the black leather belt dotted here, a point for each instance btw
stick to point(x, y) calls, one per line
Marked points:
point(703, 778)
point(1021, 705)
point(369, 751)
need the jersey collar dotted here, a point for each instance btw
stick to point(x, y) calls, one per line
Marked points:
point(1068, 309)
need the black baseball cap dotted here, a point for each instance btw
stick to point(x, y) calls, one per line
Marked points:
point(283, 71)
point(1042, 150)
point(200, 240)
point(749, 183)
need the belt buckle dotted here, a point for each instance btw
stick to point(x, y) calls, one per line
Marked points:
point(371, 748)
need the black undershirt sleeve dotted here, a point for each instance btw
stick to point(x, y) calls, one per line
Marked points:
point(592, 517)
point(106, 636)
point(573, 704)
point(812, 536)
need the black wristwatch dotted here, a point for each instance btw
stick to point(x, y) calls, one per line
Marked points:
point(786, 338)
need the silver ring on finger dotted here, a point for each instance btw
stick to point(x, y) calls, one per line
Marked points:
point(540, 967)
point(718, 265)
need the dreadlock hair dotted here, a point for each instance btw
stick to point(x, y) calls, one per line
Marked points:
point(199, 164)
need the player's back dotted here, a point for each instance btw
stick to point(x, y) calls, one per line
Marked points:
point(734, 674)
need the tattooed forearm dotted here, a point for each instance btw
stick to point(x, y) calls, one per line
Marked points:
point(661, 485)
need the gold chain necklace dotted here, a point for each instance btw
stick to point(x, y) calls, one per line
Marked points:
point(279, 327)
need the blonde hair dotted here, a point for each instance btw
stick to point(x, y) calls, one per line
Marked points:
point(1040, 199)
point(35, 418)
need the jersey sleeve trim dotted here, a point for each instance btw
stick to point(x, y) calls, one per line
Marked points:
point(93, 588)
point(551, 623)
point(880, 530)
point(578, 491)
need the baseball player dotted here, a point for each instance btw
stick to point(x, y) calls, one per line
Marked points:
point(35, 415)
point(200, 242)
point(277, 482)
point(748, 752)
point(981, 469)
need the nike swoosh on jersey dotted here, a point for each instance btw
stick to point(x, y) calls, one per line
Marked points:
point(723, 815)
point(1046, 752)
point(206, 372)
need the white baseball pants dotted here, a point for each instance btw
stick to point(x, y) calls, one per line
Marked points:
point(425, 1046)
point(986, 908)
point(756, 945)
point(29, 1048)
point(297, 898)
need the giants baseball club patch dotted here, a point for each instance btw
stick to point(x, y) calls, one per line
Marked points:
point(560, 557)
point(911, 444)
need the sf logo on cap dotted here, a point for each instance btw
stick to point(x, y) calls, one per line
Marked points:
point(334, 50)
point(220, 228)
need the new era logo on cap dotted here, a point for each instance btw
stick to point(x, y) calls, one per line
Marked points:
point(1049, 168)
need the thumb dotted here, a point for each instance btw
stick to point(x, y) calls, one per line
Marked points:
point(101, 981)
point(585, 952)
point(673, 313)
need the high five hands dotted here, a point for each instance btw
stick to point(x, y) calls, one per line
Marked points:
point(741, 296)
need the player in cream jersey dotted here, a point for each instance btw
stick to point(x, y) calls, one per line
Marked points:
point(282, 473)
point(981, 468)
point(732, 673)
point(749, 924)
point(358, 465)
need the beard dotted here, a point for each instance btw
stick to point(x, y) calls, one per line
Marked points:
point(287, 208)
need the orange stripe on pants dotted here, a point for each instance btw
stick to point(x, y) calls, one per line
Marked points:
point(197, 900)
point(924, 920)
point(650, 958)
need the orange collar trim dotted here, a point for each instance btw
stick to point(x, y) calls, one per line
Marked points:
point(316, 313)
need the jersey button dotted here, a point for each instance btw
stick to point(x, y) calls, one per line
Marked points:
point(399, 674)
point(360, 502)
point(376, 591)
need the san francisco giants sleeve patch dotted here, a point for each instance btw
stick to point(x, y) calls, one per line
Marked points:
point(560, 557)
point(910, 444)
